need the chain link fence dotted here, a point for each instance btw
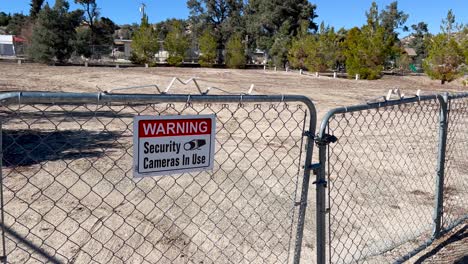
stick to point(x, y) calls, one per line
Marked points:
point(69, 194)
point(455, 198)
point(396, 177)
point(392, 175)
point(381, 178)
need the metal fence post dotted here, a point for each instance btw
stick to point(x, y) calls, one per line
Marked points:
point(439, 199)
point(321, 186)
point(304, 195)
point(3, 257)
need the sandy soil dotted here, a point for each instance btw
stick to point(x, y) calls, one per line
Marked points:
point(247, 205)
point(326, 92)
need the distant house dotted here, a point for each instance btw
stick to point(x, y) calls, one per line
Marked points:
point(10, 45)
point(410, 52)
point(123, 46)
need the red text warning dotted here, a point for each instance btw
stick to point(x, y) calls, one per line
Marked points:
point(166, 145)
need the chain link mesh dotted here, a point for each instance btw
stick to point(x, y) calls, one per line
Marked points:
point(68, 186)
point(456, 164)
point(381, 179)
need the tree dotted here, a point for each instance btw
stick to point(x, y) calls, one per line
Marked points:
point(235, 52)
point(445, 55)
point(444, 59)
point(104, 30)
point(125, 31)
point(164, 27)
point(176, 43)
point(319, 52)
point(367, 48)
point(91, 15)
point(4, 19)
point(144, 43)
point(419, 41)
point(329, 45)
point(465, 44)
point(54, 33)
point(16, 23)
point(303, 50)
point(272, 24)
point(391, 19)
point(280, 47)
point(365, 52)
point(36, 6)
point(81, 43)
point(448, 24)
point(223, 16)
point(207, 43)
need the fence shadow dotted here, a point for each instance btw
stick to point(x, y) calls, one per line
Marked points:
point(449, 244)
point(27, 147)
point(37, 249)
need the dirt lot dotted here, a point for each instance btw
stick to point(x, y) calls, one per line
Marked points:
point(327, 93)
point(232, 217)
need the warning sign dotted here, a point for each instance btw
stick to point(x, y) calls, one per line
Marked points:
point(164, 145)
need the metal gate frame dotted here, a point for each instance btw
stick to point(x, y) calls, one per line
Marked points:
point(324, 140)
point(58, 98)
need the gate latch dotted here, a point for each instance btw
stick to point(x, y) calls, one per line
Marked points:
point(325, 140)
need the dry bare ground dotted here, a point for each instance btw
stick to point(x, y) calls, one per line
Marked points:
point(452, 248)
point(246, 186)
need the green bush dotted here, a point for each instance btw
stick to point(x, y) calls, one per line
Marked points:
point(54, 33)
point(365, 52)
point(176, 44)
point(81, 43)
point(144, 43)
point(445, 59)
point(235, 53)
point(175, 60)
point(208, 46)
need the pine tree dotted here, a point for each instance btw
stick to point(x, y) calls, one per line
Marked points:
point(176, 43)
point(235, 53)
point(54, 33)
point(91, 16)
point(208, 46)
point(4, 19)
point(419, 41)
point(367, 48)
point(273, 24)
point(144, 43)
point(303, 49)
point(445, 55)
point(36, 6)
point(225, 17)
point(81, 43)
point(444, 59)
point(365, 52)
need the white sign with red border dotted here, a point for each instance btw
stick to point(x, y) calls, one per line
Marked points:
point(164, 145)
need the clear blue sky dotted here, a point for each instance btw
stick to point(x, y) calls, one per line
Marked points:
point(338, 13)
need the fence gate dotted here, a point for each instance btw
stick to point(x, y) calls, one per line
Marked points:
point(69, 194)
point(455, 183)
point(381, 175)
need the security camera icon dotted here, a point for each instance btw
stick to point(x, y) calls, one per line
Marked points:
point(194, 144)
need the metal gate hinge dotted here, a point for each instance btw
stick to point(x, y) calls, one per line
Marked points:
point(326, 139)
point(300, 203)
point(321, 182)
point(308, 134)
point(314, 166)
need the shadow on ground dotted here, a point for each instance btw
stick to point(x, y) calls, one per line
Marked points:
point(452, 250)
point(27, 147)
